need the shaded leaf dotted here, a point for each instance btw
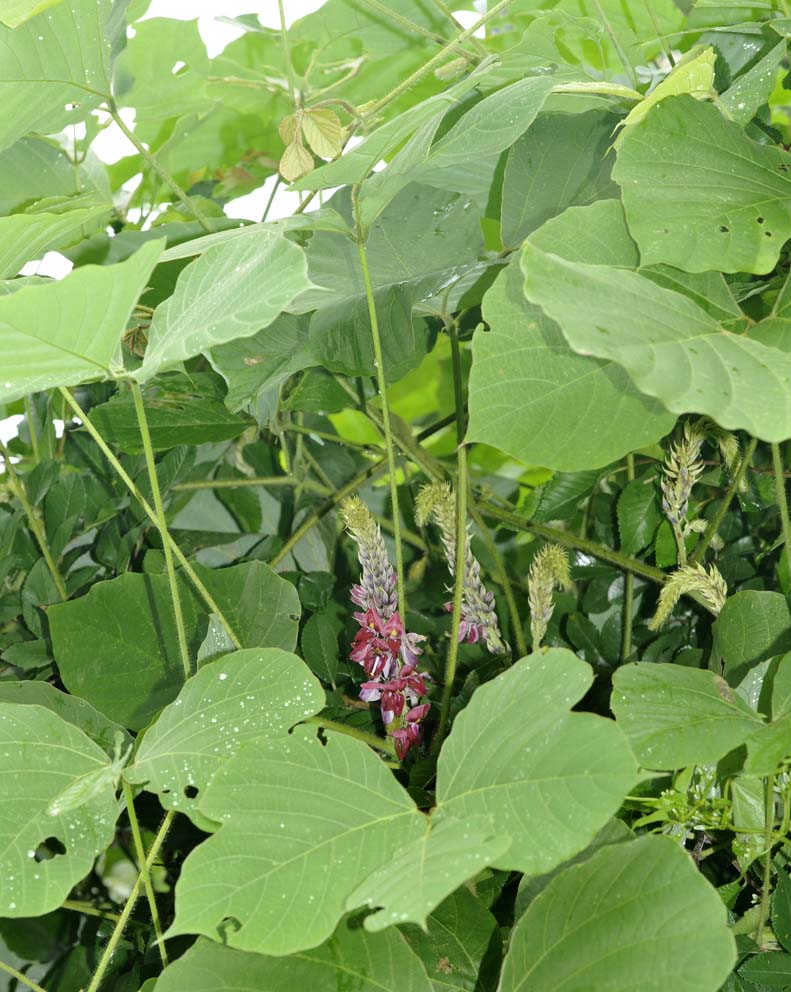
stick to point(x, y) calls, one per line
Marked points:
point(753, 626)
point(373, 962)
point(675, 716)
point(732, 210)
point(654, 898)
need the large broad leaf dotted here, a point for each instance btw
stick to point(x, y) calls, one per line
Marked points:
point(16, 12)
point(117, 646)
point(623, 920)
point(351, 959)
point(427, 869)
point(72, 709)
point(732, 211)
point(464, 158)
point(575, 412)
point(29, 235)
point(754, 625)
point(675, 716)
point(303, 823)
point(230, 292)
point(70, 331)
point(453, 944)
point(263, 361)
point(516, 753)
point(255, 694)
point(561, 161)
point(41, 756)
point(417, 248)
point(670, 346)
point(54, 67)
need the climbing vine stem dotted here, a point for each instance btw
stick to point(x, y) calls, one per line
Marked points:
point(382, 385)
point(162, 524)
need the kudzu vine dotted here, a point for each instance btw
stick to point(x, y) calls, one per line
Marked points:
point(394, 585)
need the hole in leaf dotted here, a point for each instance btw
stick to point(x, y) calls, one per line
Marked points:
point(49, 849)
point(178, 68)
point(321, 736)
point(229, 923)
point(767, 234)
point(759, 220)
point(724, 229)
point(190, 791)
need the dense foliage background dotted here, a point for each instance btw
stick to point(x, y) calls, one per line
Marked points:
point(532, 318)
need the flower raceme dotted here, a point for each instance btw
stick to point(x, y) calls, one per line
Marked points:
point(478, 617)
point(386, 651)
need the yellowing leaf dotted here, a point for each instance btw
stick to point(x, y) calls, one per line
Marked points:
point(295, 162)
point(323, 132)
point(287, 129)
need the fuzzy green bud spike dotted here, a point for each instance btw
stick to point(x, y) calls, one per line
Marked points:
point(377, 589)
point(710, 585)
point(683, 467)
point(437, 502)
point(549, 570)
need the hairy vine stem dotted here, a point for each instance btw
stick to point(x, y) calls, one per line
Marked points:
point(769, 822)
point(242, 481)
point(140, 854)
point(126, 912)
point(374, 106)
point(782, 502)
point(127, 480)
point(34, 521)
point(628, 586)
point(408, 25)
point(162, 524)
point(380, 743)
point(20, 977)
point(382, 384)
point(159, 169)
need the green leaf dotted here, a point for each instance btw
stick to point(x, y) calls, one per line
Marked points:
point(618, 314)
point(653, 899)
point(117, 646)
point(424, 241)
point(675, 716)
point(70, 331)
point(16, 12)
point(492, 125)
point(319, 644)
point(72, 709)
point(560, 162)
point(256, 694)
point(639, 515)
point(768, 747)
point(732, 210)
point(146, 76)
point(752, 88)
point(54, 68)
point(524, 363)
point(427, 869)
point(230, 292)
point(303, 823)
point(29, 235)
point(453, 944)
point(771, 970)
point(41, 755)
point(351, 958)
point(753, 626)
point(254, 364)
point(781, 909)
point(517, 754)
point(174, 417)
